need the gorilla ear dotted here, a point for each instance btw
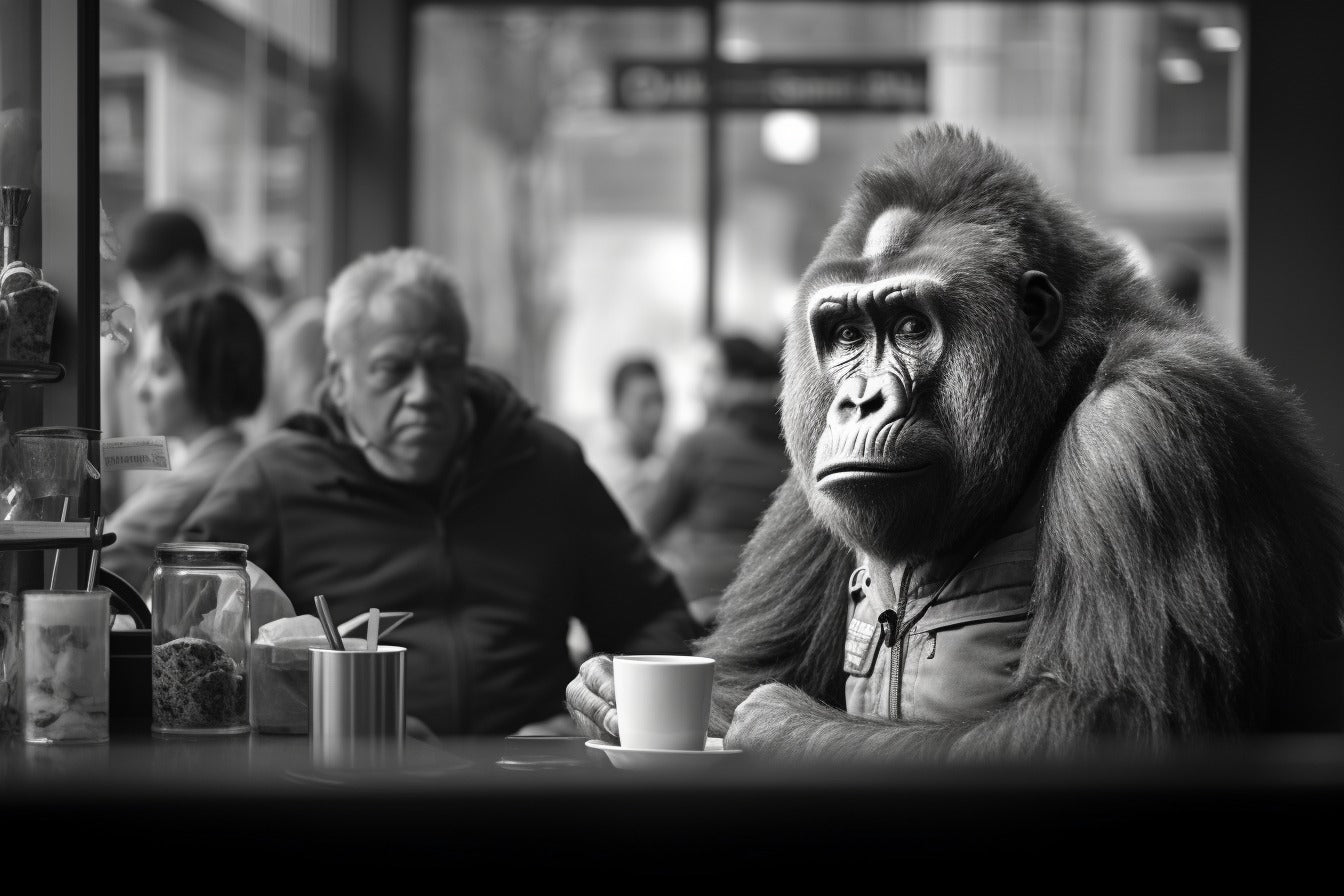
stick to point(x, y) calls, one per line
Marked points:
point(1043, 306)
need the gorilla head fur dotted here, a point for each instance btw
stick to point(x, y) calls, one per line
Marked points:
point(938, 340)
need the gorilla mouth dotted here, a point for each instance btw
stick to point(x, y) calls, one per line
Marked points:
point(854, 470)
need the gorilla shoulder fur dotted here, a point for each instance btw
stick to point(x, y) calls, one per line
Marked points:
point(965, 342)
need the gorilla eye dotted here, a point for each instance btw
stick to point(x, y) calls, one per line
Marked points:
point(912, 326)
point(848, 334)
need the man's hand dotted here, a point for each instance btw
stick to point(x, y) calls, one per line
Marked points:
point(591, 699)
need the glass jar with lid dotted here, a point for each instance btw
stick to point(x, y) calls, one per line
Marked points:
point(200, 632)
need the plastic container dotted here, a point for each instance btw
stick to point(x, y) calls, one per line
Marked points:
point(65, 666)
point(200, 632)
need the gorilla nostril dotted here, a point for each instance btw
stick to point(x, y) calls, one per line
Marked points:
point(873, 398)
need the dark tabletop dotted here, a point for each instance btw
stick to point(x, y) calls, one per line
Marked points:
point(535, 807)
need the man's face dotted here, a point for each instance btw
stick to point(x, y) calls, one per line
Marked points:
point(400, 379)
point(147, 292)
point(640, 410)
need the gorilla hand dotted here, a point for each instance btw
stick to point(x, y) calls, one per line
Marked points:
point(783, 723)
point(591, 699)
point(777, 721)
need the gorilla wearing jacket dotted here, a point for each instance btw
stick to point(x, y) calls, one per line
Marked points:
point(1034, 504)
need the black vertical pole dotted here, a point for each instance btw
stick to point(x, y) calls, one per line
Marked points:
point(712, 178)
point(371, 205)
point(88, 282)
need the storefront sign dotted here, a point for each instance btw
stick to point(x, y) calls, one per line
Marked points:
point(885, 86)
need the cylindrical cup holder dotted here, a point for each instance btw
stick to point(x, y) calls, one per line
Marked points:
point(357, 707)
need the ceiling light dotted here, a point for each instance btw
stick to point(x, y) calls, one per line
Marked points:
point(790, 136)
point(1220, 38)
point(1180, 70)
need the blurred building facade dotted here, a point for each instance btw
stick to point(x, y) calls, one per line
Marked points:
point(584, 230)
point(224, 108)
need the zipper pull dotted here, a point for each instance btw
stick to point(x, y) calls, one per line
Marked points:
point(859, 583)
point(887, 619)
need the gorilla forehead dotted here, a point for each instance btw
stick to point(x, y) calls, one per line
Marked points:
point(890, 233)
point(863, 295)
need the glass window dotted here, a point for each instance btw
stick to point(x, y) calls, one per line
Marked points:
point(1187, 70)
point(579, 226)
point(226, 114)
point(222, 109)
point(576, 228)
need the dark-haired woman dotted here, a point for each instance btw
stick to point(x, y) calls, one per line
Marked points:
point(204, 369)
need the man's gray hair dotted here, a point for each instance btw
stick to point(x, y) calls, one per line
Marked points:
point(410, 271)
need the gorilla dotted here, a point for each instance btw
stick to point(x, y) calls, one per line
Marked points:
point(1035, 504)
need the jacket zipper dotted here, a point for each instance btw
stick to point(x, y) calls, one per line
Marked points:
point(893, 621)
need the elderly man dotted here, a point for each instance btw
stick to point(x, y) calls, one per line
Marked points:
point(427, 484)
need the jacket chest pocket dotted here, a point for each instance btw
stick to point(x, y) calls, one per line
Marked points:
point(863, 642)
point(962, 656)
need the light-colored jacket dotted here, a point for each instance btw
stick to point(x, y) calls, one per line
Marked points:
point(942, 641)
point(154, 512)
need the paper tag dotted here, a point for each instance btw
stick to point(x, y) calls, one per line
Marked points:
point(135, 453)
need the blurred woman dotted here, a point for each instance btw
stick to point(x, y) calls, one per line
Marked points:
point(720, 478)
point(204, 369)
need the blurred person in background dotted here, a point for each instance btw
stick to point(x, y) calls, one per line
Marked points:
point(297, 361)
point(202, 369)
point(626, 453)
point(427, 484)
point(720, 477)
point(164, 252)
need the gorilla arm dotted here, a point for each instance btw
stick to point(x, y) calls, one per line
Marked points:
point(1188, 540)
point(782, 620)
point(783, 617)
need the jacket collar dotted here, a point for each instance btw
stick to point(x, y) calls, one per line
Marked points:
point(1002, 559)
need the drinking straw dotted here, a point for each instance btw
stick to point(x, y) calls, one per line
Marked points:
point(373, 629)
point(97, 555)
point(386, 622)
point(56, 558)
point(324, 617)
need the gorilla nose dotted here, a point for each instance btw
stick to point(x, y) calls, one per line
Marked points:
point(875, 401)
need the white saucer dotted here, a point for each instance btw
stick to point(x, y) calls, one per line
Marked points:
point(632, 758)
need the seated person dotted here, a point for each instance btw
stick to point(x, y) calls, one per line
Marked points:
point(165, 253)
point(720, 478)
point(204, 368)
point(626, 453)
point(426, 483)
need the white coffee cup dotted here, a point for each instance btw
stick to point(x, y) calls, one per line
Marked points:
point(663, 701)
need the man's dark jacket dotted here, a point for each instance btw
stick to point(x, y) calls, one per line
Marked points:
point(494, 563)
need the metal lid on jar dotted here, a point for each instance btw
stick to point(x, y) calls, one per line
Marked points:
point(201, 553)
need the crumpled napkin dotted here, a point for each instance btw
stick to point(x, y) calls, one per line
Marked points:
point(223, 624)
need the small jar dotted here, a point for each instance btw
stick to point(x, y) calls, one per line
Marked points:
point(200, 632)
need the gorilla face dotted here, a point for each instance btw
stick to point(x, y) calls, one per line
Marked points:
point(917, 391)
point(882, 462)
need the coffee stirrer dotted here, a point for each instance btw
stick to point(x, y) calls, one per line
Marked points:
point(372, 642)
